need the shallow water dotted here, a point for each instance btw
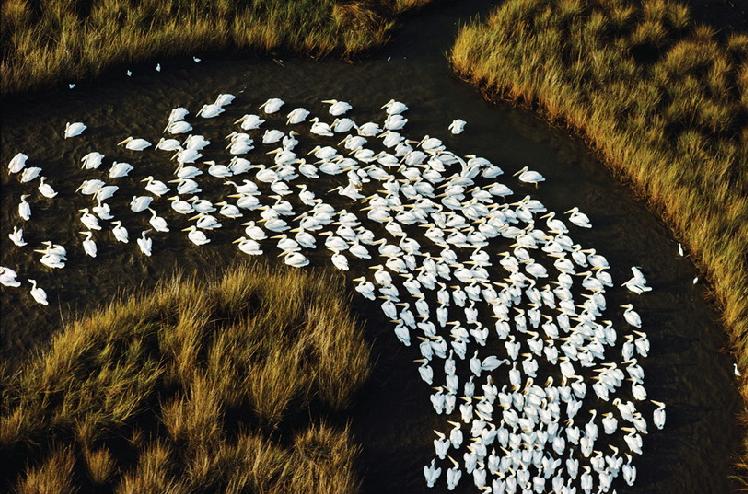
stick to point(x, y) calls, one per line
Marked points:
point(688, 367)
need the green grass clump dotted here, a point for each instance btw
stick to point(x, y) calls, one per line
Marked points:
point(54, 41)
point(663, 100)
point(223, 386)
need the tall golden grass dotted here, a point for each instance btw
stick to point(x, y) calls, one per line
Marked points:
point(223, 386)
point(663, 100)
point(54, 41)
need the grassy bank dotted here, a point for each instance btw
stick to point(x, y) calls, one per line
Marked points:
point(227, 386)
point(59, 41)
point(663, 101)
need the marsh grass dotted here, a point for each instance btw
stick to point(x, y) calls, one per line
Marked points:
point(663, 101)
point(56, 41)
point(229, 385)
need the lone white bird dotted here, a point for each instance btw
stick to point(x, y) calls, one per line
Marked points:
point(529, 176)
point(457, 126)
point(74, 129)
point(39, 294)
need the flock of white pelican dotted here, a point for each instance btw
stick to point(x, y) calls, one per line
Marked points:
point(505, 311)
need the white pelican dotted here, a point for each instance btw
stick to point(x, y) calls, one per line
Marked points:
point(337, 108)
point(30, 173)
point(210, 111)
point(579, 218)
point(45, 189)
point(529, 176)
point(74, 129)
point(457, 126)
point(134, 144)
point(120, 170)
point(140, 203)
point(17, 163)
point(196, 236)
point(145, 243)
point(156, 187)
point(158, 222)
point(394, 107)
point(17, 237)
point(272, 105)
point(120, 232)
point(297, 115)
point(24, 209)
point(8, 277)
point(39, 295)
point(178, 127)
point(250, 122)
point(89, 245)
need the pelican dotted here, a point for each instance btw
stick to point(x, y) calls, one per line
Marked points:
point(120, 232)
point(196, 236)
point(89, 245)
point(134, 144)
point(74, 129)
point(529, 176)
point(24, 209)
point(337, 108)
point(210, 111)
point(17, 163)
point(120, 170)
point(145, 243)
point(39, 294)
point(579, 218)
point(157, 222)
point(8, 277)
point(17, 237)
point(30, 173)
point(140, 203)
point(45, 189)
point(297, 115)
point(394, 107)
point(250, 122)
point(272, 105)
point(156, 187)
point(457, 126)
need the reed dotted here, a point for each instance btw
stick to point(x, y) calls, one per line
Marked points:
point(663, 101)
point(225, 385)
point(62, 41)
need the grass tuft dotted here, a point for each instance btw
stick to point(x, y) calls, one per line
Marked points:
point(193, 388)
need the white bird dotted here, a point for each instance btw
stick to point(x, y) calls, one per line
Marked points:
point(8, 277)
point(17, 163)
point(579, 218)
point(120, 232)
point(17, 237)
point(120, 170)
point(337, 108)
point(140, 203)
point(39, 294)
point(30, 173)
point(92, 160)
point(158, 222)
point(210, 111)
point(89, 246)
point(24, 209)
point(529, 176)
point(272, 105)
point(145, 243)
point(457, 126)
point(74, 129)
point(196, 236)
point(297, 115)
point(45, 189)
point(135, 144)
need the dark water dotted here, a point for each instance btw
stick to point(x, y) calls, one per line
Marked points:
point(688, 367)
